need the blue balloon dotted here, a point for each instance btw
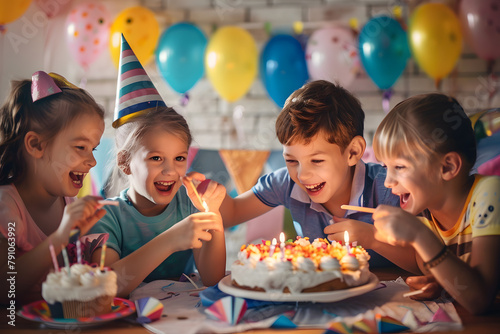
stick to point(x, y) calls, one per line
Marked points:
point(383, 50)
point(180, 56)
point(283, 67)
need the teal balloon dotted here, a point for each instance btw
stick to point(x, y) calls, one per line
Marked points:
point(383, 50)
point(283, 67)
point(180, 56)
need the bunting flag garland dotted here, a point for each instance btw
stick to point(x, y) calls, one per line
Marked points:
point(228, 309)
point(244, 166)
point(386, 324)
point(148, 309)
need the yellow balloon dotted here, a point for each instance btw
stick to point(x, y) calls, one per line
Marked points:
point(231, 62)
point(435, 39)
point(11, 10)
point(141, 30)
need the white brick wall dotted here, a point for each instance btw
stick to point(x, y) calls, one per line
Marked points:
point(210, 117)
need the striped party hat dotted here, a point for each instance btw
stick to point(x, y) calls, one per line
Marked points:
point(135, 93)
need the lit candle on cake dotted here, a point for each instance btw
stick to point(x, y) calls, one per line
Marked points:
point(282, 245)
point(103, 256)
point(273, 246)
point(346, 241)
point(78, 251)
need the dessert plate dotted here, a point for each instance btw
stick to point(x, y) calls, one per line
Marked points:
point(39, 311)
point(226, 286)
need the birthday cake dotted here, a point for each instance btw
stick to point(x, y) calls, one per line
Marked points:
point(300, 266)
point(79, 291)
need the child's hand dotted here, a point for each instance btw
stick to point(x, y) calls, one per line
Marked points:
point(428, 284)
point(82, 214)
point(359, 231)
point(395, 226)
point(192, 230)
point(210, 191)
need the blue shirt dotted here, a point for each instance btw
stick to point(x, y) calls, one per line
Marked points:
point(311, 218)
point(129, 230)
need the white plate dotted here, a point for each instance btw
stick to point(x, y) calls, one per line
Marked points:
point(226, 286)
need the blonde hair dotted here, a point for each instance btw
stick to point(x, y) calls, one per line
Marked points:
point(129, 135)
point(47, 117)
point(423, 127)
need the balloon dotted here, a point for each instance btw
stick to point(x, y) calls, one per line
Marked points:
point(480, 21)
point(383, 50)
point(180, 54)
point(11, 10)
point(283, 67)
point(435, 39)
point(53, 7)
point(332, 55)
point(87, 31)
point(141, 30)
point(231, 62)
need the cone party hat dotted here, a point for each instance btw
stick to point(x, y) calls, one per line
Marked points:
point(135, 92)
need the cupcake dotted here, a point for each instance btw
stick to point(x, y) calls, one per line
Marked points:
point(80, 292)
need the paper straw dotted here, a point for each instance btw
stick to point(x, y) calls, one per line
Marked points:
point(65, 257)
point(106, 202)
point(413, 293)
point(78, 251)
point(54, 258)
point(103, 256)
point(357, 208)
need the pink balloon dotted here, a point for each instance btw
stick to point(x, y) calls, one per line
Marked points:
point(331, 54)
point(480, 21)
point(87, 31)
point(53, 7)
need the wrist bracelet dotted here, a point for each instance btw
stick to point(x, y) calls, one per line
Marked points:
point(443, 253)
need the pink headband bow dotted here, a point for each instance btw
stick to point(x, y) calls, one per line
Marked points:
point(43, 85)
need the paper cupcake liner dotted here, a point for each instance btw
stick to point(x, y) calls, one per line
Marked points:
point(79, 309)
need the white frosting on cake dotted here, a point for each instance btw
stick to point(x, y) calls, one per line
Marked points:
point(84, 283)
point(303, 265)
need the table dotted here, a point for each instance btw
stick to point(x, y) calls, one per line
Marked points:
point(484, 324)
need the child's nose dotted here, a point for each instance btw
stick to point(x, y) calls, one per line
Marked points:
point(303, 173)
point(166, 168)
point(389, 182)
point(91, 161)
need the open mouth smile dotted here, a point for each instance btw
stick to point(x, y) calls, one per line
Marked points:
point(313, 188)
point(77, 178)
point(164, 186)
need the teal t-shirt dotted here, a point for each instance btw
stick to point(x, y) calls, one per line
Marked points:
point(129, 230)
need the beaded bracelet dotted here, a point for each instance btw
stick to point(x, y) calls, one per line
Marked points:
point(443, 253)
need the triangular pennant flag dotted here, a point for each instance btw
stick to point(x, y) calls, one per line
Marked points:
point(338, 328)
point(283, 322)
point(386, 324)
point(148, 309)
point(244, 166)
point(410, 320)
point(228, 309)
point(441, 316)
point(365, 326)
point(135, 92)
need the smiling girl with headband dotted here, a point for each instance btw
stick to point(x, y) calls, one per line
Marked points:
point(48, 131)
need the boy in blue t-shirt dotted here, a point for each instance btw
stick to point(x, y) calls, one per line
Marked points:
point(321, 130)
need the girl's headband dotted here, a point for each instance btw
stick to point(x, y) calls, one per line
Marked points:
point(43, 85)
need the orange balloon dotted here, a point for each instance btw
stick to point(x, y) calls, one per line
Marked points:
point(141, 30)
point(11, 10)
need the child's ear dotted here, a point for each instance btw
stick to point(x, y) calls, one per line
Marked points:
point(355, 150)
point(34, 144)
point(123, 161)
point(451, 165)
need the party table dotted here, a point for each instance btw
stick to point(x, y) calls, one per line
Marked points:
point(488, 323)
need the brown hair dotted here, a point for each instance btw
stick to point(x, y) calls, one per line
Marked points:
point(424, 126)
point(320, 106)
point(47, 117)
point(128, 135)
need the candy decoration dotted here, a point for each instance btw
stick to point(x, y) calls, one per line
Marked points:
point(386, 324)
point(441, 316)
point(135, 92)
point(148, 309)
point(338, 328)
point(228, 309)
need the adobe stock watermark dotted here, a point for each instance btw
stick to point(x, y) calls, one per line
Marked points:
point(224, 6)
point(31, 24)
point(11, 273)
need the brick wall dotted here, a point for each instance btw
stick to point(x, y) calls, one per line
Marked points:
point(209, 116)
